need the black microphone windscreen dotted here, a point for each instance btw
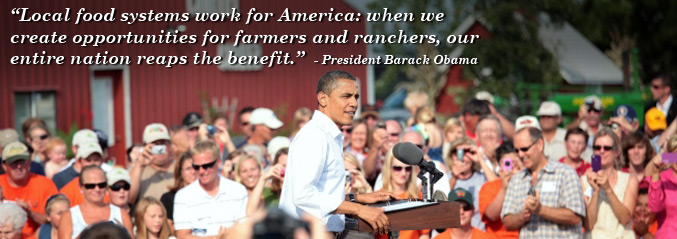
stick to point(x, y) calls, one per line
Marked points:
point(408, 153)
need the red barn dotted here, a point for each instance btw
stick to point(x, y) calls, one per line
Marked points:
point(128, 97)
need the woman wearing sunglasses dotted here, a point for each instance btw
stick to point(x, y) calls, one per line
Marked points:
point(465, 172)
point(610, 195)
point(37, 137)
point(94, 185)
point(398, 180)
point(119, 185)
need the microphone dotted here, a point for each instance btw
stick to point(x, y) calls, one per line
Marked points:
point(409, 153)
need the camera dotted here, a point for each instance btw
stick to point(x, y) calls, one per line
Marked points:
point(158, 149)
point(211, 130)
point(349, 177)
point(459, 155)
point(278, 224)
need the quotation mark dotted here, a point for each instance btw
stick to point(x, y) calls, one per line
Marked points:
point(300, 53)
point(16, 11)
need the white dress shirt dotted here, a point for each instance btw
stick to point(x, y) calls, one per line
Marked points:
point(665, 108)
point(314, 181)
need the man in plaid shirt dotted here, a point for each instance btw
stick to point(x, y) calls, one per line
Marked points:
point(545, 200)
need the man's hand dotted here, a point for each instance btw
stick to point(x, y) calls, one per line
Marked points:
point(222, 134)
point(532, 203)
point(582, 111)
point(374, 197)
point(146, 156)
point(378, 138)
point(525, 215)
point(375, 217)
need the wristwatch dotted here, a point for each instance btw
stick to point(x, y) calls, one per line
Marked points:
point(351, 197)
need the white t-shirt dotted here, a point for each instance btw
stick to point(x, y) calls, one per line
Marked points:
point(203, 214)
point(79, 223)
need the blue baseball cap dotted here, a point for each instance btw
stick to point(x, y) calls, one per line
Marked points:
point(626, 111)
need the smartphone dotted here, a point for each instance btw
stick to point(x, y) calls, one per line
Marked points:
point(459, 155)
point(507, 165)
point(669, 157)
point(596, 163)
point(158, 149)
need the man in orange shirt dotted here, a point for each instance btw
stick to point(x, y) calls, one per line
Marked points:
point(89, 153)
point(467, 209)
point(29, 191)
point(492, 193)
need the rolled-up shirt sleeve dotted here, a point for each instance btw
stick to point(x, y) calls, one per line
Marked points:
point(656, 196)
point(510, 203)
point(313, 188)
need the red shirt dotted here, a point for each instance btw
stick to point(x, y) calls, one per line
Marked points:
point(488, 192)
point(36, 192)
point(581, 169)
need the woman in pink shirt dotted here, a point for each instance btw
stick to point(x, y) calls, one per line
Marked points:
point(663, 193)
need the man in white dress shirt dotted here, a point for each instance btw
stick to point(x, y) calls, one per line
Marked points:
point(314, 181)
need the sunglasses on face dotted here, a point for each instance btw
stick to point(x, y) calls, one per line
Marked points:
point(399, 168)
point(348, 130)
point(525, 149)
point(117, 187)
point(656, 86)
point(245, 123)
point(41, 137)
point(466, 207)
point(593, 109)
point(599, 147)
point(204, 166)
point(102, 185)
point(395, 134)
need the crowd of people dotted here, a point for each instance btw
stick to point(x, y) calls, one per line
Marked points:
point(528, 178)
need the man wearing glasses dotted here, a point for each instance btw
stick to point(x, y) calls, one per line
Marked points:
point(589, 117)
point(206, 207)
point(661, 87)
point(153, 173)
point(29, 191)
point(545, 200)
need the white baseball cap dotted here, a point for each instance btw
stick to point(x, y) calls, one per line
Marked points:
point(277, 143)
point(485, 95)
point(118, 174)
point(265, 116)
point(84, 136)
point(155, 131)
point(88, 148)
point(526, 121)
point(549, 108)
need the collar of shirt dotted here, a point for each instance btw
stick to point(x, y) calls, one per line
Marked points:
point(325, 122)
point(204, 193)
point(549, 168)
point(666, 106)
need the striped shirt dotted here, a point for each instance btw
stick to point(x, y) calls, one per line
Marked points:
point(203, 214)
point(558, 187)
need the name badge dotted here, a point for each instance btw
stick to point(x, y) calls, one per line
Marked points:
point(549, 187)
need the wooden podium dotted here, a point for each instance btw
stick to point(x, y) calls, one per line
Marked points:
point(413, 215)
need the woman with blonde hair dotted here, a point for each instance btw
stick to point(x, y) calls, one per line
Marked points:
point(269, 196)
point(247, 172)
point(432, 134)
point(358, 184)
point(301, 117)
point(398, 180)
point(610, 194)
point(56, 156)
point(453, 129)
point(151, 220)
point(662, 196)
